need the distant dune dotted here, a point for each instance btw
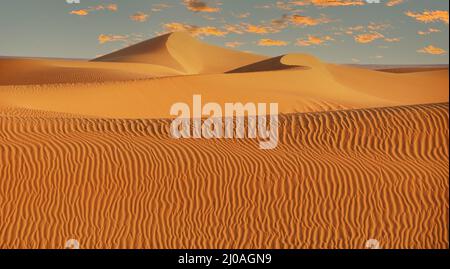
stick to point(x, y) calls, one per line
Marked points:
point(49, 71)
point(86, 152)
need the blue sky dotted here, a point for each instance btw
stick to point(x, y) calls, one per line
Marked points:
point(341, 31)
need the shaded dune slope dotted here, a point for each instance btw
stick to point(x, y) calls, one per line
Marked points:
point(289, 61)
point(336, 180)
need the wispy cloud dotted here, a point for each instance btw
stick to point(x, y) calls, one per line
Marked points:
point(103, 38)
point(199, 6)
point(329, 3)
point(87, 11)
point(139, 17)
point(234, 44)
point(307, 21)
point(393, 3)
point(432, 50)
point(430, 16)
point(429, 31)
point(194, 29)
point(368, 38)
point(313, 40)
point(267, 42)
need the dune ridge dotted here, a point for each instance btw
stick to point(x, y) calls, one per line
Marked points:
point(289, 61)
point(182, 52)
point(336, 180)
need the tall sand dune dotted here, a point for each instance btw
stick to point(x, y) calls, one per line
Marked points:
point(336, 180)
point(182, 52)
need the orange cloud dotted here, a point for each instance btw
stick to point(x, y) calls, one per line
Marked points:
point(430, 16)
point(256, 29)
point(234, 44)
point(80, 12)
point(368, 38)
point(86, 11)
point(139, 17)
point(307, 21)
point(429, 31)
point(313, 40)
point(432, 50)
point(199, 6)
point(329, 3)
point(392, 39)
point(195, 30)
point(111, 38)
point(392, 3)
point(112, 7)
point(272, 43)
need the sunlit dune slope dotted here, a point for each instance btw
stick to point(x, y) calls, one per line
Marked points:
point(16, 71)
point(336, 180)
point(182, 52)
point(405, 88)
point(321, 87)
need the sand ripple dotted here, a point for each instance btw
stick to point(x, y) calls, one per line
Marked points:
point(337, 179)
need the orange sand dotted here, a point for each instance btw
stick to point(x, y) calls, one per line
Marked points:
point(85, 153)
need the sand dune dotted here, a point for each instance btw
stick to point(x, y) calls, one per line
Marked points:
point(336, 180)
point(290, 61)
point(16, 71)
point(85, 153)
point(412, 69)
point(322, 87)
point(183, 53)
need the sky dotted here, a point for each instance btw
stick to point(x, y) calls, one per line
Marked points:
point(338, 31)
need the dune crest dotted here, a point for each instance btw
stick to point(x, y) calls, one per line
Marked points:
point(182, 52)
point(283, 62)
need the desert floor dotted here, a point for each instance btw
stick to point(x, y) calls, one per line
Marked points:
point(85, 153)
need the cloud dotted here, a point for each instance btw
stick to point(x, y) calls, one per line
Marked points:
point(252, 28)
point(234, 44)
point(199, 6)
point(392, 39)
point(102, 39)
point(194, 29)
point(160, 7)
point(313, 40)
point(112, 7)
point(329, 3)
point(430, 16)
point(241, 15)
point(306, 20)
point(368, 37)
point(139, 17)
point(80, 12)
point(86, 11)
point(257, 29)
point(272, 43)
point(393, 3)
point(432, 50)
point(429, 31)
